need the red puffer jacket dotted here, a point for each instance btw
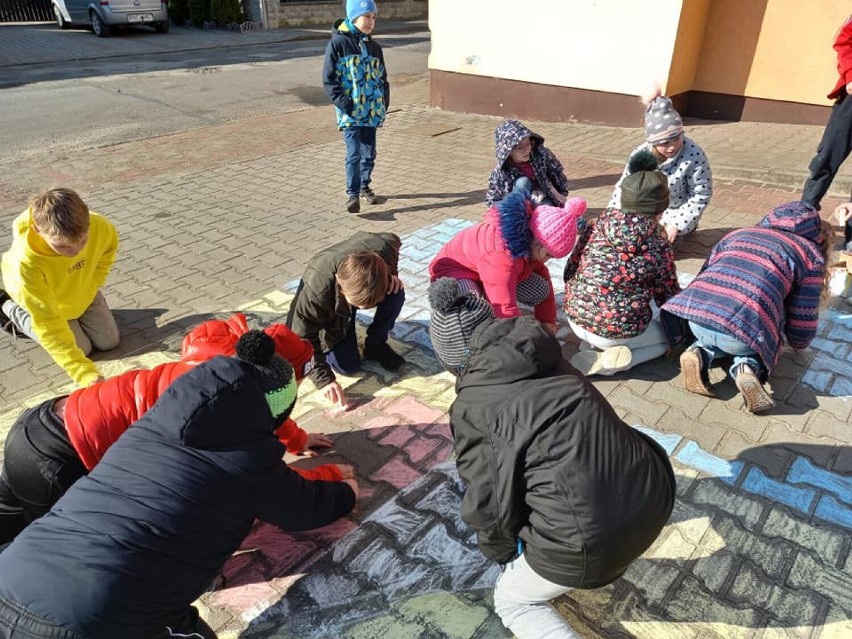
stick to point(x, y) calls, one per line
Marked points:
point(96, 416)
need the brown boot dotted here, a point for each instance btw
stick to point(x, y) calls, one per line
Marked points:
point(694, 374)
point(757, 399)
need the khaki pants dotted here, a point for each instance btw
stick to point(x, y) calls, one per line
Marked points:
point(95, 328)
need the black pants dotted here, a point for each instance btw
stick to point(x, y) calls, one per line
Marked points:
point(39, 465)
point(17, 622)
point(832, 151)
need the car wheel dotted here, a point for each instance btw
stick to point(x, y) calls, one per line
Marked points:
point(162, 27)
point(101, 29)
point(60, 19)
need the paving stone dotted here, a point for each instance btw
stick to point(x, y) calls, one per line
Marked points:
point(834, 585)
point(713, 493)
point(450, 615)
point(691, 604)
point(826, 543)
point(797, 608)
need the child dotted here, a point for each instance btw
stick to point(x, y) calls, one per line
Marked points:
point(356, 81)
point(620, 275)
point(759, 284)
point(358, 273)
point(836, 140)
point(524, 163)
point(60, 257)
point(503, 257)
point(52, 445)
point(682, 161)
point(560, 491)
point(131, 546)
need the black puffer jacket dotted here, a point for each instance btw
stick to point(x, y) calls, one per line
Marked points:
point(546, 459)
point(319, 312)
point(130, 546)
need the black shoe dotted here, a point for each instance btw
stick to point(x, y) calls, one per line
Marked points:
point(384, 355)
point(353, 204)
point(6, 323)
point(368, 196)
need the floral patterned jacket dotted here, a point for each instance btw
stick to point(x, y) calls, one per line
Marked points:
point(619, 267)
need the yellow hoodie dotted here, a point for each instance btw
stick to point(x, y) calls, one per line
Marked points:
point(55, 289)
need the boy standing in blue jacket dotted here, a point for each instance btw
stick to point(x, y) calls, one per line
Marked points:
point(356, 82)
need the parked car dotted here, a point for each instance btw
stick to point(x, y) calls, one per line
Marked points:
point(105, 15)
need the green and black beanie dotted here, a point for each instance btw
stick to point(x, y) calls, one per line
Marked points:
point(277, 379)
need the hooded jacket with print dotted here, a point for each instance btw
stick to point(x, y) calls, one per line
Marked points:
point(622, 264)
point(130, 546)
point(355, 78)
point(495, 254)
point(761, 283)
point(546, 460)
point(549, 173)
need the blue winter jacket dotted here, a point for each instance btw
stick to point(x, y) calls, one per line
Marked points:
point(354, 77)
point(130, 546)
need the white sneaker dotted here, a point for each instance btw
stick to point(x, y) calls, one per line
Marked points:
point(608, 362)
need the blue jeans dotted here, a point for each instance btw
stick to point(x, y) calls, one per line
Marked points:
point(344, 356)
point(715, 344)
point(525, 185)
point(360, 157)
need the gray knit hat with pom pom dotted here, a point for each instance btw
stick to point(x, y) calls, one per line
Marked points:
point(455, 315)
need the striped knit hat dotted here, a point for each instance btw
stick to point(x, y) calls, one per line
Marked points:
point(455, 315)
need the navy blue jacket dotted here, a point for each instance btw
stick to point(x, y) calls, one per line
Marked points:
point(129, 547)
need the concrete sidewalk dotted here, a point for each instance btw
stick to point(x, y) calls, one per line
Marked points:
point(23, 44)
point(224, 218)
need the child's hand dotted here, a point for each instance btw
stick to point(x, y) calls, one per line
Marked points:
point(395, 285)
point(346, 470)
point(671, 233)
point(316, 440)
point(551, 327)
point(334, 393)
point(843, 213)
point(354, 486)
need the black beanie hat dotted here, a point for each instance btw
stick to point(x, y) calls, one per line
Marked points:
point(276, 375)
point(455, 315)
point(644, 189)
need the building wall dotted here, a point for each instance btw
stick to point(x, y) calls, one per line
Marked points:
point(771, 49)
point(586, 44)
point(299, 14)
point(587, 59)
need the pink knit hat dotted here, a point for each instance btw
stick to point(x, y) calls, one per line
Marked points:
point(556, 228)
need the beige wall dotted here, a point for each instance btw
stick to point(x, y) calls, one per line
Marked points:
point(772, 49)
point(587, 44)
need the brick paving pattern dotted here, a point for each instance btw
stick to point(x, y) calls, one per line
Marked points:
point(225, 218)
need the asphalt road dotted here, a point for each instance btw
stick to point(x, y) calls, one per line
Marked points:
point(61, 105)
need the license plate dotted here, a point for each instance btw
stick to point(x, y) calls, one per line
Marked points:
point(140, 17)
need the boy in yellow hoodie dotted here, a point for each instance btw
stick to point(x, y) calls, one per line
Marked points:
point(60, 257)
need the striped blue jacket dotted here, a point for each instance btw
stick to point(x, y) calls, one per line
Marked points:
point(761, 284)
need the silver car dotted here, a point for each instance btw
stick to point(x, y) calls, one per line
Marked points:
point(104, 15)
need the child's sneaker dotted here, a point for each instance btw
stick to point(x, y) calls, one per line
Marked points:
point(607, 362)
point(693, 373)
point(353, 204)
point(6, 323)
point(756, 398)
point(384, 355)
point(368, 196)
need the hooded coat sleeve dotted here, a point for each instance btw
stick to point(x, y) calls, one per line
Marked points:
point(491, 504)
point(293, 503)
